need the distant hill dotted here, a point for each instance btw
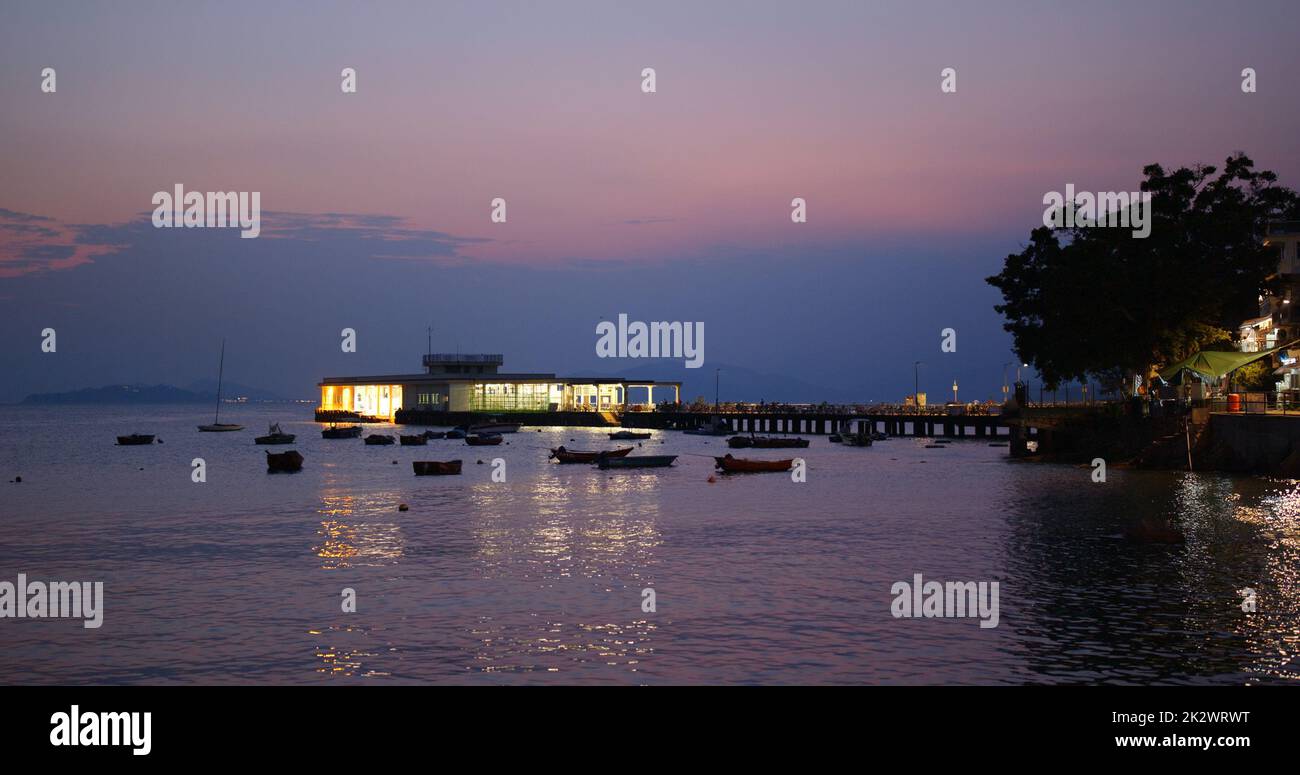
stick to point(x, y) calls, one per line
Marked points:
point(208, 387)
point(151, 394)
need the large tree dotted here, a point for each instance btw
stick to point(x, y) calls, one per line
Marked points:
point(1099, 302)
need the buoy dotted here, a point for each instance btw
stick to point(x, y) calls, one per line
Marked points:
point(403, 507)
point(712, 479)
point(480, 462)
point(394, 462)
point(18, 479)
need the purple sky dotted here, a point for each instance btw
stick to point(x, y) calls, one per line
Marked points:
point(670, 206)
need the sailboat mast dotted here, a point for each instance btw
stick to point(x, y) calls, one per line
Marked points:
point(221, 370)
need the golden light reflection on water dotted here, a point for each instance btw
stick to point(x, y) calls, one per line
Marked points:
point(1262, 542)
point(559, 646)
point(348, 537)
point(343, 661)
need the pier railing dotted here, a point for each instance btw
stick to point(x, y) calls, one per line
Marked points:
point(1264, 403)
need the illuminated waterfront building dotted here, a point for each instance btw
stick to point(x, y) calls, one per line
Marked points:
point(474, 383)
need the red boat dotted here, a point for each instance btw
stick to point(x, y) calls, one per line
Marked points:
point(565, 456)
point(435, 467)
point(739, 465)
point(483, 440)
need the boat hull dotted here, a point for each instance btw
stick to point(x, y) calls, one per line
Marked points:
point(221, 427)
point(376, 440)
point(275, 438)
point(482, 441)
point(283, 462)
point(627, 436)
point(414, 441)
point(436, 467)
point(567, 456)
point(351, 432)
point(736, 465)
point(134, 440)
point(639, 461)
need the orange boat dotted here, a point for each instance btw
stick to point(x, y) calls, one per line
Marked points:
point(565, 456)
point(739, 465)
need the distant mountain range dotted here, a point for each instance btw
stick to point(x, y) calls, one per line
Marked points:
point(204, 391)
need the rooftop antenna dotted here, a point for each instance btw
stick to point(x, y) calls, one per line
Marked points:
point(430, 331)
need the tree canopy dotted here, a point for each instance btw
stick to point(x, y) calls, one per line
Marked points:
point(1086, 301)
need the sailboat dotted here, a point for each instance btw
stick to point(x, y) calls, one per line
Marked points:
point(217, 426)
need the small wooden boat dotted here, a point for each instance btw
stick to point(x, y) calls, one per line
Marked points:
point(435, 434)
point(855, 439)
point(418, 440)
point(378, 440)
point(435, 467)
point(627, 435)
point(283, 462)
point(275, 436)
point(765, 442)
point(492, 427)
point(341, 432)
point(135, 439)
point(483, 439)
point(566, 456)
point(739, 465)
point(638, 461)
point(455, 433)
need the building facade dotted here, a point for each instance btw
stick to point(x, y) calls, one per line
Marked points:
point(1278, 322)
point(475, 383)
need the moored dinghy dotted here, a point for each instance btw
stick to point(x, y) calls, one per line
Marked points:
point(639, 461)
point(378, 439)
point(418, 440)
point(283, 462)
point(135, 439)
point(572, 456)
point(275, 436)
point(628, 435)
point(738, 465)
point(341, 432)
point(483, 440)
point(435, 467)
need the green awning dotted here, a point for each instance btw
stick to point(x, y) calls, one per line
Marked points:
point(1214, 363)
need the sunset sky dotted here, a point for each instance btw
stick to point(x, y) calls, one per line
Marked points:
point(666, 206)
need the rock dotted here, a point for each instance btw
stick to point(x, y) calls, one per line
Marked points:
point(403, 507)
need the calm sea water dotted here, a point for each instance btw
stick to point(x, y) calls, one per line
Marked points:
point(757, 579)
